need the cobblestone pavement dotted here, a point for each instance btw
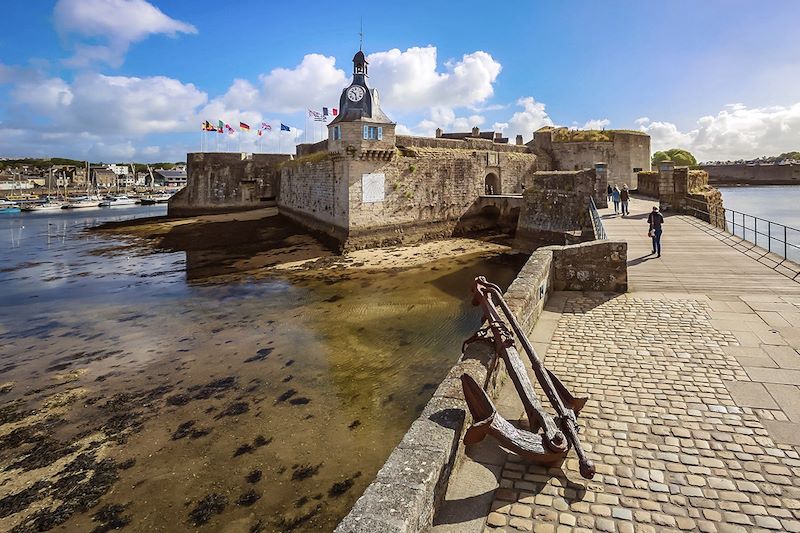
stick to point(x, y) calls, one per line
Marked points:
point(674, 451)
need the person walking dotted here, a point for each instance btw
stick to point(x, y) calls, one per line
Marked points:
point(624, 198)
point(615, 199)
point(609, 190)
point(655, 220)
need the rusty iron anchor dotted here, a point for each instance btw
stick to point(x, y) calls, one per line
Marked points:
point(560, 433)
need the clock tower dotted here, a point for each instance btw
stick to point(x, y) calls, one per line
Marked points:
point(360, 123)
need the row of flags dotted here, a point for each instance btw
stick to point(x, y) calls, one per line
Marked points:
point(322, 117)
point(243, 127)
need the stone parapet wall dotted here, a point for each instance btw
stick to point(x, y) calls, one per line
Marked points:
point(227, 181)
point(408, 141)
point(647, 184)
point(597, 266)
point(311, 187)
point(409, 488)
point(311, 148)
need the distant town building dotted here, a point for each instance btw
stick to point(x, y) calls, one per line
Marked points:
point(175, 178)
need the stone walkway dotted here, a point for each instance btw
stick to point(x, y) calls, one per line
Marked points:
point(694, 416)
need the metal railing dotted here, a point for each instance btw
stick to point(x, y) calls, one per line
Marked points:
point(778, 238)
point(597, 222)
point(774, 237)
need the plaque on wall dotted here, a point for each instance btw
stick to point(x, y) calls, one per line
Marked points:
point(372, 187)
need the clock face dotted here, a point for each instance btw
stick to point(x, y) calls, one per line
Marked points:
point(355, 93)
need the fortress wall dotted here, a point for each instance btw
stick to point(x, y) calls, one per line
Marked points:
point(427, 194)
point(626, 152)
point(648, 184)
point(753, 174)
point(227, 181)
point(310, 148)
point(313, 191)
point(408, 141)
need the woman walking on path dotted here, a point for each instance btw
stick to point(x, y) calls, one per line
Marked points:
point(625, 197)
point(615, 198)
point(609, 190)
point(655, 219)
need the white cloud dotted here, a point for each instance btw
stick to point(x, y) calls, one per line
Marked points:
point(118, 23)
point(410, 80)
point(315, 82)
point(735, 132)
point(532, 117)
point(596, 124)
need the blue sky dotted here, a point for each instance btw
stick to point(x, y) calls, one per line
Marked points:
point(132, 79)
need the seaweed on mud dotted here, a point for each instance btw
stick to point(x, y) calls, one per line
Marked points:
point(305, 471)
point(44, 452)
point(261, 354)
point(178, 399)
point(248, 498)
point(211, 388)
point(287, 379)
point(301, 501)
point(110, 517)
point(183, 430)
point(210, 505)
point(234, 409)
point(243, 449)
point(14, 503)
point(5, 388)
point(254, 476)
point(10, 412)
point(285, 396)
point(288, 523)
point(288, 363)
point(354, 424)
point(79, 488)
point(258, 442)
point(299, 401)
point(340, 487)
point(258, 527)
point(126, 464)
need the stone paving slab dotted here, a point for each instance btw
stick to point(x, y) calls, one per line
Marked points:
point(675, 451)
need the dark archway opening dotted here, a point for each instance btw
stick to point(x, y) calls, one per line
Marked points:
point(492, 184)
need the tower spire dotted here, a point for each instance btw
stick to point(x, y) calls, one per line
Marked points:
point(361, 34)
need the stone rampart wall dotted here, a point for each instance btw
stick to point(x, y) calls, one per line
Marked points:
point(429, 189)
point(227, 181)
point(647, 184)
point(469, 143)
point(311, 148)
point(626, 152)
point(310, 186)
point(753, 174)
point(410, 486)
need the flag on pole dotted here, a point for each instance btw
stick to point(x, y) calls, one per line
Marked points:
point(260, 132)
point(324, 111)
point(244, 127)
point(207, 126)
point(334, 111)
point(220, 126)
point(265, 126)
point(229, 129)
point(284, 127)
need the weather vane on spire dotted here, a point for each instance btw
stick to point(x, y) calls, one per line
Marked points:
point(361, 34)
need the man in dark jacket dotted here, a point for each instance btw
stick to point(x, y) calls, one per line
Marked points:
point(655, 220)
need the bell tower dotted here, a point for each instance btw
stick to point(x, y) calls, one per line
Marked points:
point(360, 123)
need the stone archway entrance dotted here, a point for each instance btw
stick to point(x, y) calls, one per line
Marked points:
point(492, 184)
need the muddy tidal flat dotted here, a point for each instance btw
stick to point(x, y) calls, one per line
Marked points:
point(221, 373)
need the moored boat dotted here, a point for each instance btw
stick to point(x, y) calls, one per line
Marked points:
point(156, 199)
point(7, 206)
point(46, 206)
point(85, 201)
point(117, 200)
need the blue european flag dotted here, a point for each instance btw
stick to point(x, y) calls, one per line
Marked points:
point(284, 127)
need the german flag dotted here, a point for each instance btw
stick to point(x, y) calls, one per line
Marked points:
point(244, 127)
